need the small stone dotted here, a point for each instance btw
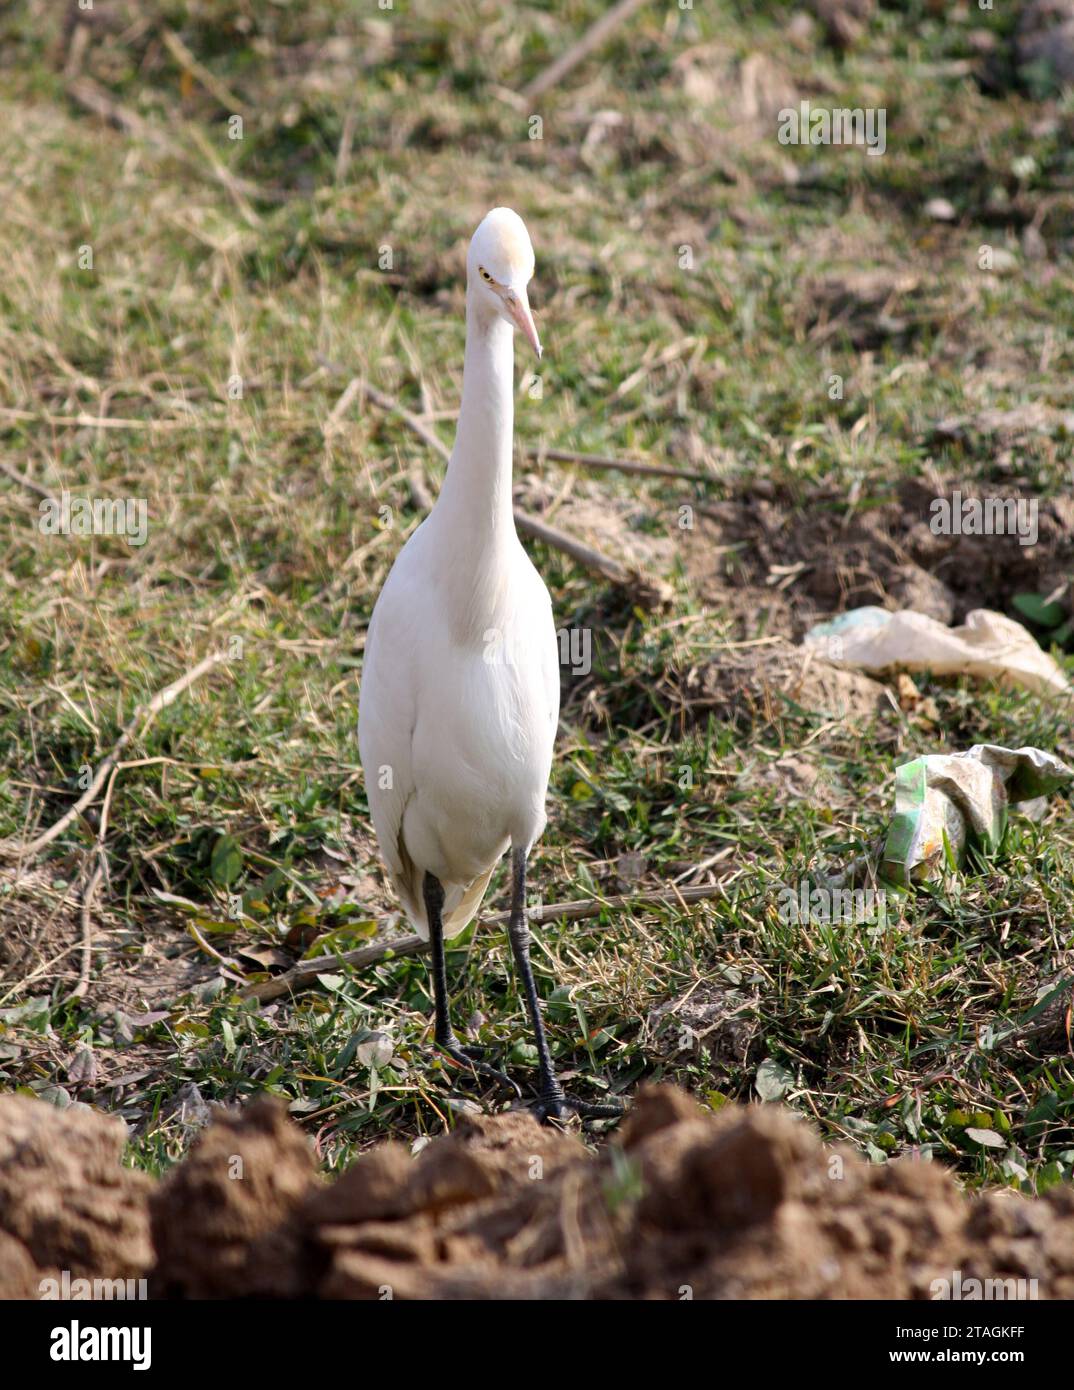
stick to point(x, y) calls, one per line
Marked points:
point(1003, 261)
point(940, 210)
point(1034, 247)
point(801, 30)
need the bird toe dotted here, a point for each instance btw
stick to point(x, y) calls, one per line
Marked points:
point(556, 1105)
point(465, 1057)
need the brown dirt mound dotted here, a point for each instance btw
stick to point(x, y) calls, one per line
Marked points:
point(797, 561)
point(65, 1201)
point(747, 1203)
point(752, 684)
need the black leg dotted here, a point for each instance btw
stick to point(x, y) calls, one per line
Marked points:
point(443, 1033)
point(434, 903)
point(519, 932)
point(552, 1101)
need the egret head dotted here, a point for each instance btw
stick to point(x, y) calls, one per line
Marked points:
point(500, 266)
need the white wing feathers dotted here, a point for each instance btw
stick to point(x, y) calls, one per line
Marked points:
point(456, 748)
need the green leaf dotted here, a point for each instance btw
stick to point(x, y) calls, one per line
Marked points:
point(987, 1137)
point(342, 939)
point(1038, 610)
point(1051, 1175)
point(773, 1081)
point(214, 926)
point(1043, 1114)
point(225, 863)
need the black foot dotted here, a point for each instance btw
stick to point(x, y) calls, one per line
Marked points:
point(470, 1058)
point(554, 1104)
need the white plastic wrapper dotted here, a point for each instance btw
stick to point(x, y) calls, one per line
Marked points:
point(988, 644)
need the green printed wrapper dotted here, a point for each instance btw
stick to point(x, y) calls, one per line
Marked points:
point(962, 798)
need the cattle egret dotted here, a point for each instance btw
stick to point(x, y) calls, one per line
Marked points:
point(460, 682)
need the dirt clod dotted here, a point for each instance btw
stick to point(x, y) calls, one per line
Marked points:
point(65, 1201)
point(220, 1218)
point(744, 1204)
point(765, 564)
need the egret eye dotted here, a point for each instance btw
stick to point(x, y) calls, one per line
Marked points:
point(484, 274)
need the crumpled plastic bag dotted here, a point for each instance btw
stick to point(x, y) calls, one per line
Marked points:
point(965, 797)
point(988, 644)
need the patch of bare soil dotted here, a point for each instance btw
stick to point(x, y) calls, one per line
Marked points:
point(41, 948)
point(620, 526)
point(718, 1017)
point(754, 684)
point(787, 563)
point(746, 1203)
point(40, 923)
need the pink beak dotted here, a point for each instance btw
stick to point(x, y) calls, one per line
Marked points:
point(518, 306)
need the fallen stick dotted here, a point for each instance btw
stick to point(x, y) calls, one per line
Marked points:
point(389, 403)
point(304, 974)
point(16, 476)
point(647, 590)
point(212, 84)
point(591, 40)
point(420, 495)
point(592, 559)
point(644, 470)
point(93, 98)
point(86, 946)
point(139, 722)
point(110, 422)
point(100, 872)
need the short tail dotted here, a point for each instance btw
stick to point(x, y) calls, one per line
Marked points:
point(461, 902)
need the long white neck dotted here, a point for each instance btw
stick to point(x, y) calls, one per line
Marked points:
point(476, 494)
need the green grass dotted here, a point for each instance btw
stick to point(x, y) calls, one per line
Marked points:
point(267, 539)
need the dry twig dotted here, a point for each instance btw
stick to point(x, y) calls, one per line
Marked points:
point(138, 724)
point(604, 461)
point(647, 590)
point(212, 84)
point(590, 41)
point(304, 974)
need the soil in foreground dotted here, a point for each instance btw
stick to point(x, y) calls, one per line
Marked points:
point(746, 1203)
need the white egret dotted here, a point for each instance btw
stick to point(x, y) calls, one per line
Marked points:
point(460, 682)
